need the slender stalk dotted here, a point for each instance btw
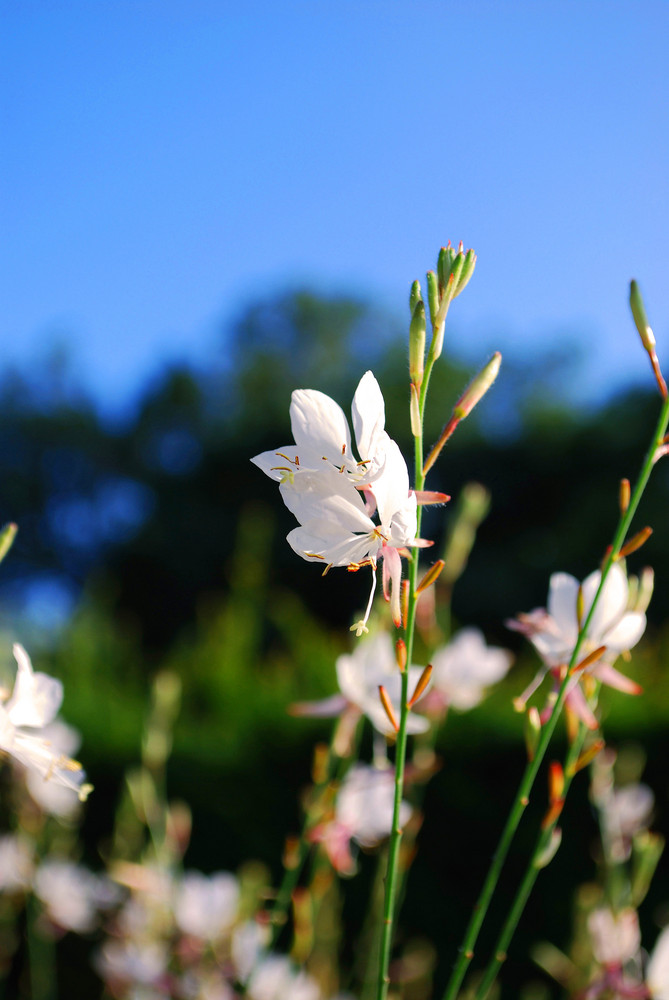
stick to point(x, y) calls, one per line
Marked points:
point(392, 873)
point(522, 796)
point(527, 884)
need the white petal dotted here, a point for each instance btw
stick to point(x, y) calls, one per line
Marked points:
point(657, 974)
point(36, 697)
point(369, 416)
point(323, 542)
point(391, 489)
point(327, 493)
point(278, 464)
point(627, 632)
point(562, 598)
point(319, 427)
point(612, 601)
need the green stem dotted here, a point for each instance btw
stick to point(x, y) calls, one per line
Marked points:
point(522, 797)
point(534, 867)
point(392, 875)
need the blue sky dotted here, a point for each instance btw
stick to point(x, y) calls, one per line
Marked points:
point(165, 162)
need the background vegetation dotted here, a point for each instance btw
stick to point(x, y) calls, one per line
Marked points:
point(154, 543)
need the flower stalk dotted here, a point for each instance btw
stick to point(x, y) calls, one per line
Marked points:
point(522, 796)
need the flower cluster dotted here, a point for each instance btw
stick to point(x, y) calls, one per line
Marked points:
point(336, 496)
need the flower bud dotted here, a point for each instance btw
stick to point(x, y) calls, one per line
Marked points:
point(468, 266)
point(640, 318)
point(477, 388)
point(433, 295)
point(532, 731)
point(445, 265)
point(545, 856)
point(415, 296)
point(417, 343)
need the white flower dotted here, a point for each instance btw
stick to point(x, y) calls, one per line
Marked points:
point(612, 625)
point(359, 676)
point(323, 439)
point(125, 962)
point(554, 633)
point(16, 863)
point(58, 798)
point(462, 670)
point(615, 938)
point(206, 906)
point(71, 894)
point(276, 979)
point(34, 704)
point(657, 973)
point(321, 483)
point(363, 813)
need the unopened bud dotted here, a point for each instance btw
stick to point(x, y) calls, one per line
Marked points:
point(468, 265)
point(586, 756)
point(647, 848)
point(645, 592)
point(7, 536)
point(624, 495)
point(417, 343)
point(555, 781)
point(423, 682)
point(401, 654)
point(478, 387)
point(415, 296)
point(388, 708)
point(532, 731)
point(430, 577)
point(635, 542)
point(445, 265)
point(545, 856)
point(640, 318)
point(433, 295)
point(414, 412)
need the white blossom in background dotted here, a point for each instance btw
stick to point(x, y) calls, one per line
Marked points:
point(359, 675)
point(249, 941)
point(72, 895)
point(56, 798)
point(275, 978)
point(363, 813)
point(554, 631)
point(16, 863)
point(615, 938)
point(125, 963)
point(32, 706)
point(462, 670)
point(657, 973)
point(205, 906)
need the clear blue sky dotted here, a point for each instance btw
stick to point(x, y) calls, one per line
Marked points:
point(163, 162)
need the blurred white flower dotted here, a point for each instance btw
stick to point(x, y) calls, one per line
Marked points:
point(121, 963)
point(359, 675)
point(71, 894)
point(276, 979)
point(615, 938)
point(462, 670)
point(34, 704)
point(363, 813)
point(16, 863)
point(657, 973)
point(249, 940)
point(206, 906)
point(57, 798)
point(554, 632)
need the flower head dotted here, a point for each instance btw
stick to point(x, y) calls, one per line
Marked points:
point(32, 706)
point(335, 496)
point(612, 628)
point(462, 670)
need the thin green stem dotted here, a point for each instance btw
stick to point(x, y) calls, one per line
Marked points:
point(522, 796)
point(527, 884)
point(392, 874)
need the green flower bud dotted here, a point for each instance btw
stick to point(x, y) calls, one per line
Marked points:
point(433, 295)
point(417, 343)
point(640, 318)
point(415, 296)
